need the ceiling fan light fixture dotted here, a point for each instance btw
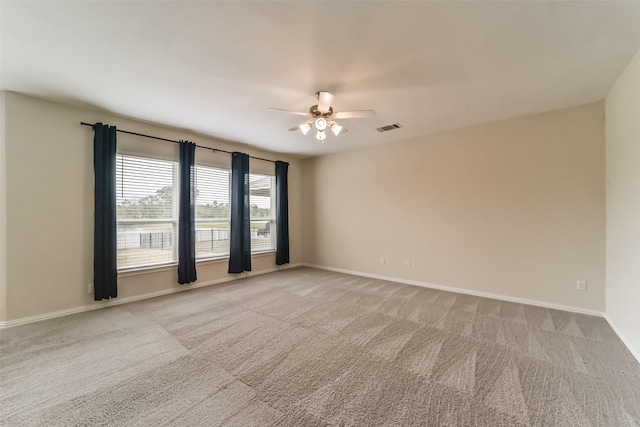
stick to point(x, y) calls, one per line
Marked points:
point(322, 116)
point(336, 129)
point(305, 128)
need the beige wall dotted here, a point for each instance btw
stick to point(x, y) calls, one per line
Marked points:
point(49, 211)
point(514, 208)
point(623, 204)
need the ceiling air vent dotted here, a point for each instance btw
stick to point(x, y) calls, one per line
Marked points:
point(387, 128)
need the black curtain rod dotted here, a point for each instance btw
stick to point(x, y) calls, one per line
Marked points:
point(178, 142)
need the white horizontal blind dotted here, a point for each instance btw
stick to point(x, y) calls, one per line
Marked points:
point(262, 205)
point(212, 212)
point(147, 211)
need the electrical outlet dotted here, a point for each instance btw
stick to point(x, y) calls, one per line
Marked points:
point(407, 263)
point(581, 285)
point(381, 260)
point(90, 288)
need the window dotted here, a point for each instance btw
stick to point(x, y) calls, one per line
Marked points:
point(262, 206)
point(213, 187)
point(212, 212)
point(147, 211)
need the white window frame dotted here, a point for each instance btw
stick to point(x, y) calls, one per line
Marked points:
point(175, 212)
point(215, 220)
point(272, 216)
point(145, 221)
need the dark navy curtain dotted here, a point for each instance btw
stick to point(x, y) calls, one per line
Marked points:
point(105, 269)
point(187, 215)
point(240, 250)
point(282, 213)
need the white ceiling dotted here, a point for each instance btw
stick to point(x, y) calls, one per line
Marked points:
point(215, 67)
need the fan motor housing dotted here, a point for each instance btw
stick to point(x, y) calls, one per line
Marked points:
point(315, 113)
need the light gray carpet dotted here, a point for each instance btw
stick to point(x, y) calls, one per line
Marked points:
point(305, 347)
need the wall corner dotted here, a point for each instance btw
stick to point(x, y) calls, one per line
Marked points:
point(3, 209)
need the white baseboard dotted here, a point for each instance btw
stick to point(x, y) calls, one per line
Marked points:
point(464, 291)
point(117, 301)
point(624, 339)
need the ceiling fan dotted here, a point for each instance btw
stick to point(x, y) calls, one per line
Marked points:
point(322, 117)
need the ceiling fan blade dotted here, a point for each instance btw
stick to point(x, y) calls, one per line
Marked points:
point(324, 101)
point(294, 128)
point(299, 113)
point(354, 114)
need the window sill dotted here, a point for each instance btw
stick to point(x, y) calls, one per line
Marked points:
point(215, 260)
point(146, 270)
point(164, 267)
point(263, 253)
